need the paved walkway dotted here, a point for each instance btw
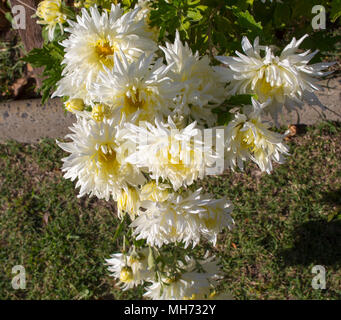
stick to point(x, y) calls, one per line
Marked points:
point(29, 121)
point(330, 109)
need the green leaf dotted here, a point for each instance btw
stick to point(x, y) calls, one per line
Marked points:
point(336, 10)
point(194, 15)
point(282, 14)
point(247, 21)
point(119, 229)
point(241, 99)
point(50, 57)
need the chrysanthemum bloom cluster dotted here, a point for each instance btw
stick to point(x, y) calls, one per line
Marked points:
point(285, 80)
point(140, 138)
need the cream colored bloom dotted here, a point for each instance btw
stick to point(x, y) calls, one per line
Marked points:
point(93, 40)
point(131, 269)
point(128, 202)
point(155, 192)
point(141, 87)
point(144, 13)
point(249, 138)
point(96, 159)
point(286, 79)
point(190, 285)
point(182, 219)
point(74, 105)
point(200, 86)
point(69, 86)
point(50, 12)
point(168, 153)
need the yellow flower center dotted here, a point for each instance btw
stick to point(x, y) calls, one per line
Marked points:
point(106, 162)
point(247, 139)
point(105, 52)
point(106, 158)
point(99, 111)
point(133, 102)
point(265, 87)
point(126, 274)
point(265, 90)
point(211, 222)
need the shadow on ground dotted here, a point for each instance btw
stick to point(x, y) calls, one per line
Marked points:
point(317, 242)
point(333, 197)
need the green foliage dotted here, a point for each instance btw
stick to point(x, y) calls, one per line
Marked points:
point(50, 57)
point(11, 67)
point(335, 10)
point(211, 26)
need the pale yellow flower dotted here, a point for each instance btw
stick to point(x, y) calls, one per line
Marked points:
point(154, 192)
point(74, 105)
point(95, 159)
point(249, 138)
point(50, 12)
point(128, 202)
point(131, 269)
point(285, 80)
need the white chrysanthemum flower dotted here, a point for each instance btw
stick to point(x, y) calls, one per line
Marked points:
point(69, 86)
point(182, 219)
point(249, 138)
point(155, 192)
point(128, 202)
point(50, 12)
point(200, 83)
point(191, 285)
point(168, 153)
point(97, 159)
point(140, 86)
point(286, 79)
point(144, 13)
point(94, 39)
point(144, 9)
point(131, 269)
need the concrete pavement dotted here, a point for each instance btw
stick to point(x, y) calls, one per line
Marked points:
point(29, 121)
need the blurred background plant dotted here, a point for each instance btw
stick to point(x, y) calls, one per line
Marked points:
point(217, 26)
point(16, 76)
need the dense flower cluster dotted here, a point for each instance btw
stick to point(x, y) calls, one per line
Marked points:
point(140, 138)
point(284, 80)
